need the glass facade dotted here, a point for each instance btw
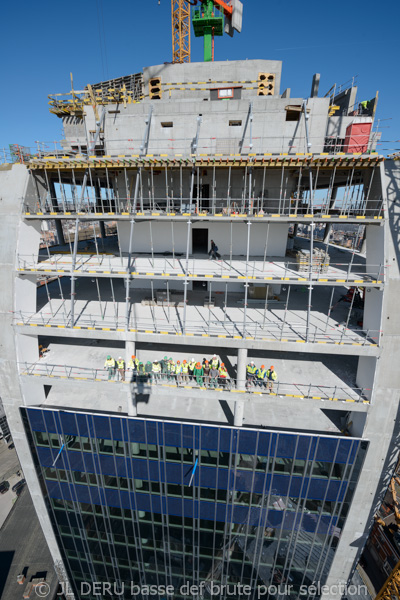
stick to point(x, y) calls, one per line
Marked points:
point(148, 502)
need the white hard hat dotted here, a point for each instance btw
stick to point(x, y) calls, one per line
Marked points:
point(192, 359)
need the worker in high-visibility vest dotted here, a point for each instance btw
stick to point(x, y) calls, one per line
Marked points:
point(156, 370)
point(171, 369)
point(271, 377)
point(214, 362)
point(223, 375)
point(185, 371)
point(140, 372)
point(133, 366)
point(110, 365)
point(164, 367)
point(260, 376)
point(121, 368)
point(198, 374)
point(192, 364)
point(251, 370)
point(178, 372)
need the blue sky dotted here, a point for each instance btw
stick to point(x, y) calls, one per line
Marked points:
point(44, 41)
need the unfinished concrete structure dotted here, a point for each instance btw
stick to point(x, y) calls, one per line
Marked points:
point(173, 484)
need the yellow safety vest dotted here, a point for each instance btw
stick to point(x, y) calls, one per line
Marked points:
point(110, 363)
point(192, 365)
point(214, 363)
point(251, 369)
point(171, 367)
point(121, 364)
point(131, 364)
point(185, 368)
point(178, 369)
point(156, 368)
point(261, 374)
point(223, 372)
point(272, 375)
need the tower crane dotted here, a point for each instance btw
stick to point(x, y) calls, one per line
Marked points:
point(206, 23)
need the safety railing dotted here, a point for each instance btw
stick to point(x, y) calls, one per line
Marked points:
point(226, 267)
point(348, 206)
point(223, 328)
point(212, 382)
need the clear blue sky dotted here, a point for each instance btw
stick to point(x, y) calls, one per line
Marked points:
point(43, 41)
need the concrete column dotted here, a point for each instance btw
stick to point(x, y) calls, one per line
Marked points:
point(327, 232)
point(60, 233)
point(315, 85)
point(238, 414)
point(129, 350)
point(132, 405)
point(241, 385)
point(102, 230)
point(295, 229)
point(241, 368)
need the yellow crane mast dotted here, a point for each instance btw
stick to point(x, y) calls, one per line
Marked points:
point(180, 31)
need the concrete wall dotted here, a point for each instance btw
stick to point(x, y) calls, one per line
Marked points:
point(383, 422)
point(375, 255)
point(161, 237)
point(373, 312)
point(13, 187)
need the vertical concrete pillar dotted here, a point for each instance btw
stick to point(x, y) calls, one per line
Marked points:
point(102, 229)
point(241, 385)
point(132, 404)
point(238, 414)
point(60, 233)
point(241, 368)
point(129, 350)
point(295, 229)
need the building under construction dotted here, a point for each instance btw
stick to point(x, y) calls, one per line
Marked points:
point(105, 251)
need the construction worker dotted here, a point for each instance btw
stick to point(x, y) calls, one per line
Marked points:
point(164, 367)
point(271, 377)
point(185, 371)
point(198, 374)
point(214, 362)
point(192, 364)
point(156, 370)
point(178, 373)
point(213, 254)
point(260, 376)
point(110, 365)
point(223, 375)
point(140, 372)
point(250, 373)
point(206, 371)
point(121, 368)
point(214, 374)
point(171, 369)
point(148, 369)
point(132, 366)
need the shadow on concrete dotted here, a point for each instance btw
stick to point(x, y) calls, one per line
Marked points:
point(6, 559)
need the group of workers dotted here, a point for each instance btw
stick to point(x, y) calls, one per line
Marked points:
point(209, 373)
point(261, 376)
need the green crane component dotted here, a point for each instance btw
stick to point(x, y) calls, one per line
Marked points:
point(207, 24)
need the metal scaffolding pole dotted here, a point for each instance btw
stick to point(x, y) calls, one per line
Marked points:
point(73, 264)
point(263, 189)
point(151, 243)
point(285, 312)
point(231, 247)
point(310, 282)
point(246, 285)
point(186, 283)
point(330, 308)
point(228, 192)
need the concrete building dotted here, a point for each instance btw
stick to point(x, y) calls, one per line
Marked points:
point(162, 481)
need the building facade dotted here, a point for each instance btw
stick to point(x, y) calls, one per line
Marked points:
point(168, 481)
